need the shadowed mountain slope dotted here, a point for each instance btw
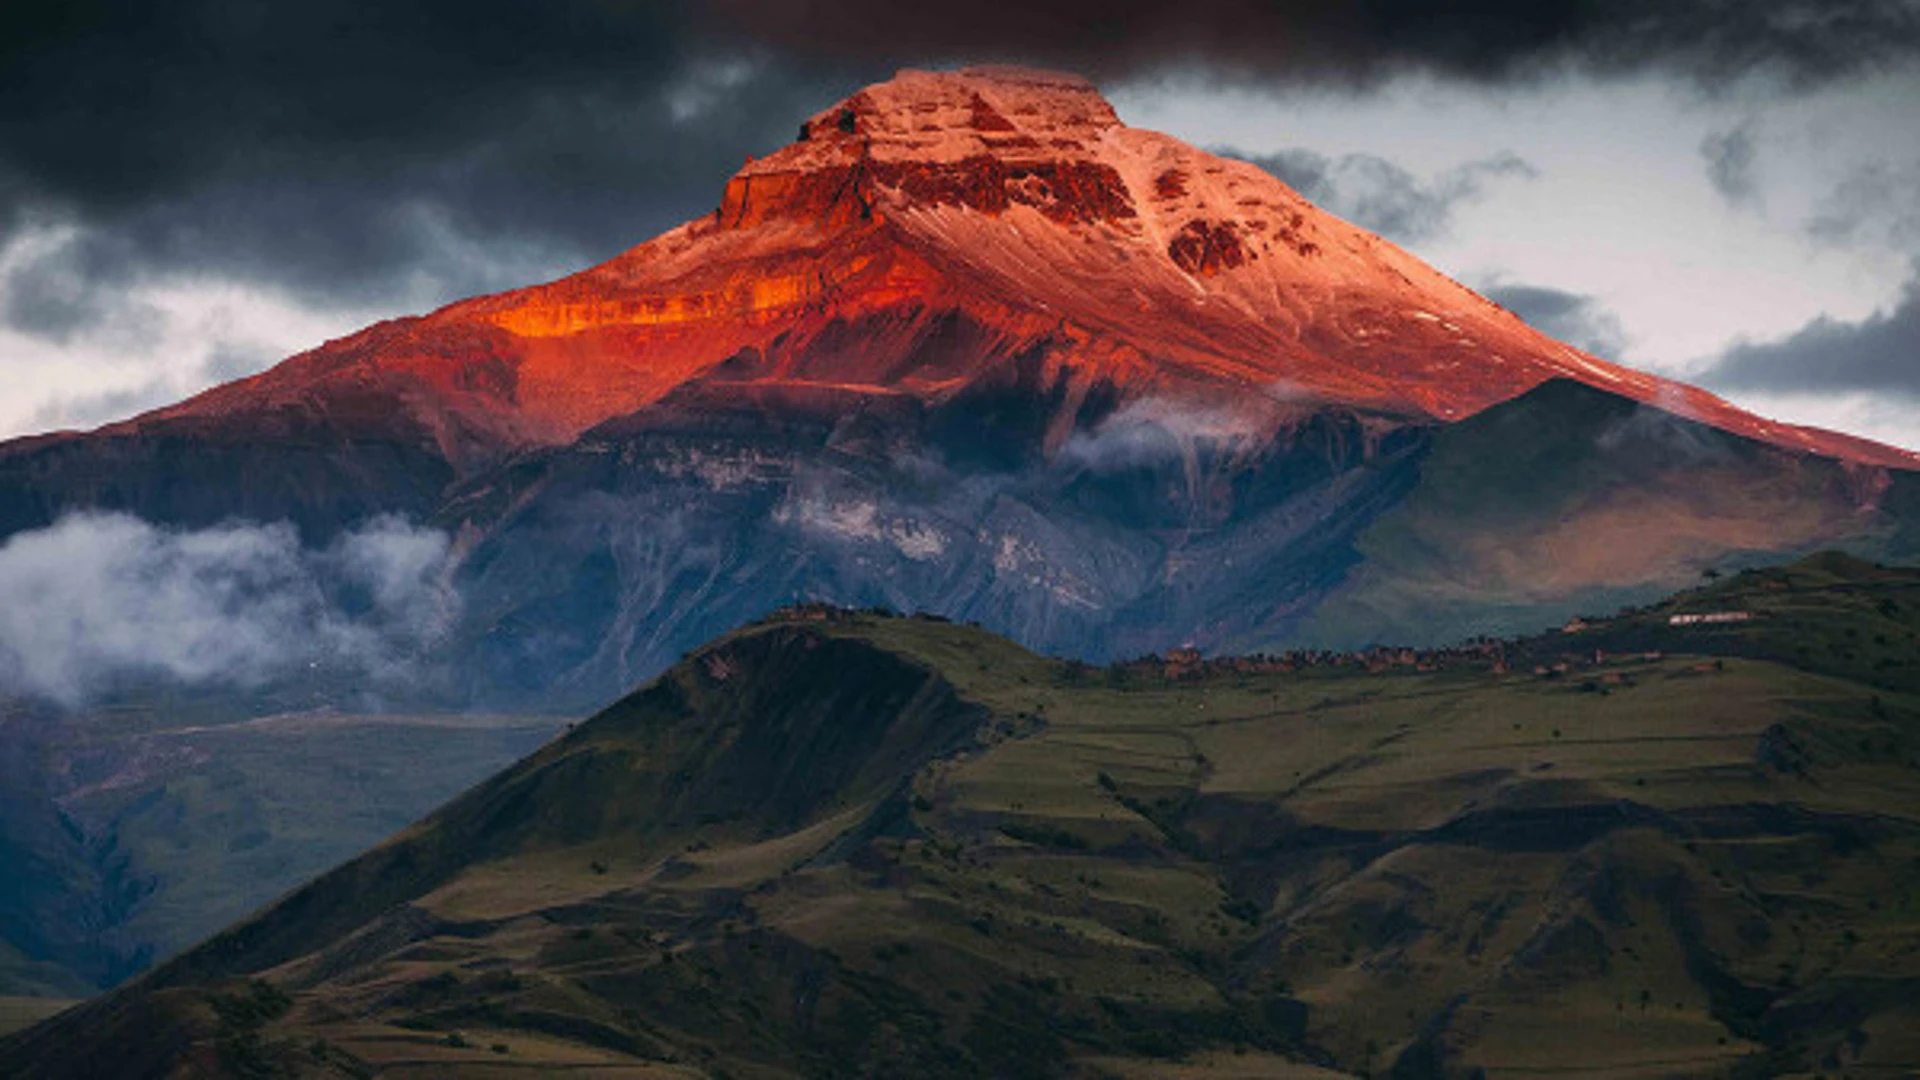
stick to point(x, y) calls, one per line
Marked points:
point(1610, 503)
point(131, 833)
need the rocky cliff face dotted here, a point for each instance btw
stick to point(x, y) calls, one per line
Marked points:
point(968, 344)
point(603, 559)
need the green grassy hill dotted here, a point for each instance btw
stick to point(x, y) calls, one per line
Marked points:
point(1830, 613)
point(858, 845)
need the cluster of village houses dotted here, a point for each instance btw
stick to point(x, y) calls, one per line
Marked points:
point(1483, 653)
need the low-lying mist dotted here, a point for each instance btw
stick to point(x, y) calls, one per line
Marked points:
point(98, 598)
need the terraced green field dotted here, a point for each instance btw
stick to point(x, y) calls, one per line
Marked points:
point(858, 845)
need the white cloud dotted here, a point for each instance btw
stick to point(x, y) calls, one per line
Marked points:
point(138, 344)
point(100, 597)
point(1157, 429)
point(1883, 418)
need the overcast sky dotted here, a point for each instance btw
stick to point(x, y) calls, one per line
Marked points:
point(1727, 192)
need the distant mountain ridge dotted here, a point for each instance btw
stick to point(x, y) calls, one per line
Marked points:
point(971, 345)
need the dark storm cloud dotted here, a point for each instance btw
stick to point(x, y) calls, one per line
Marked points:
point(408, 152)
point(1879, 354)
point(70, 289)
point(351, 152)
point(1380, 196)
point(1709, 41)
point(81, 411)
point(228, 360)
point(1576, 319)
point(1878, 203)
point(1730, 160)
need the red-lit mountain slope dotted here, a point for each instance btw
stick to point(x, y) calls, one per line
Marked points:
point(923, 235)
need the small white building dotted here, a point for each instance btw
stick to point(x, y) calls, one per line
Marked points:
point(1709, 617)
